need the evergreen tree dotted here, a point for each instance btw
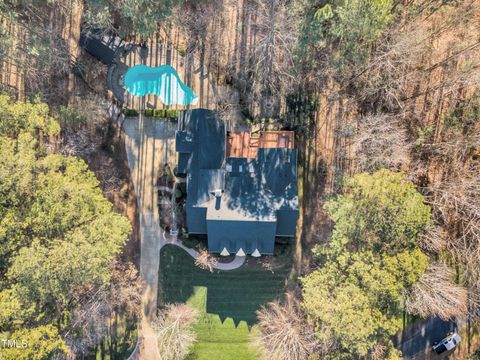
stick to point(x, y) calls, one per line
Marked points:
point(356, 297)
point(58, 234)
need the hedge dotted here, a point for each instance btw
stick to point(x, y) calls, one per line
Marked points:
point(158, 113)
point(130, 112)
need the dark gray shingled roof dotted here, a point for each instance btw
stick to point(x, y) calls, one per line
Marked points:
point(238, 202)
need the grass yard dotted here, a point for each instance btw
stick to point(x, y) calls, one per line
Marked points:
point(227, 301)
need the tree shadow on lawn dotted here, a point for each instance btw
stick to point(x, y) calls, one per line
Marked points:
point(235, 294)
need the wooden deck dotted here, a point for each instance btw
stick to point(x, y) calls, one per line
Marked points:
point(244, 145)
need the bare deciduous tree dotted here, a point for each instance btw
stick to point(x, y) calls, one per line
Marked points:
point(380, 142)
point(90, 324)
point(41, 52)
point(384, 81)
point(126, 289)
point(175, 335)
point(454, 195)
point(206, 261)
point(436, 294)
point(433, 240)
point(83, 125)
point(474, 297)
point(378, 352)
point(227, 101)
point(457, 202)
point(276, 29)
point(98, 306)
point(404, 55)
point(285, 333)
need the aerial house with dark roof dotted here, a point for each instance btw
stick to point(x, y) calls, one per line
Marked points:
point(241, 187)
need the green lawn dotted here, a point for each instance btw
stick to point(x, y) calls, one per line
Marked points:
point(227, 301)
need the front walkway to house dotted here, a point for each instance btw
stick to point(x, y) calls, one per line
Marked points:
point(232, 265)
point(149, 145)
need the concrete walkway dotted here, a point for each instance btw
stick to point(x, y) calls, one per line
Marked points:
point(232, 265)
point(148, 144)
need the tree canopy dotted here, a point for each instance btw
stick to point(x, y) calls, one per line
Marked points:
point(356, 295)
point(39, 343)
point(58, 234)
point(382, 210)
point(140, 17)
point(348, 27)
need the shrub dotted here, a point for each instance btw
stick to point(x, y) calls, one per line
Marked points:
point(160, 113)
point(171, 113)
point(190, 242)
point(206, 261)
point(182, 51)
point(466, 114)
point(130, 112)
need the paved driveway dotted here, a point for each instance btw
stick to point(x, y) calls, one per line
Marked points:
point(416, 341)
point(148, 143)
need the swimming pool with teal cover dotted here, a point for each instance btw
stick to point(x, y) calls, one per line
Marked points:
point(163, 81)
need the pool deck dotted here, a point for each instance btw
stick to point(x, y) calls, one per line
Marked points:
point(159, 52)
point(162, 81)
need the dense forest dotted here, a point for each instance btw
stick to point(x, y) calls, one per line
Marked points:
point(384, 98)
